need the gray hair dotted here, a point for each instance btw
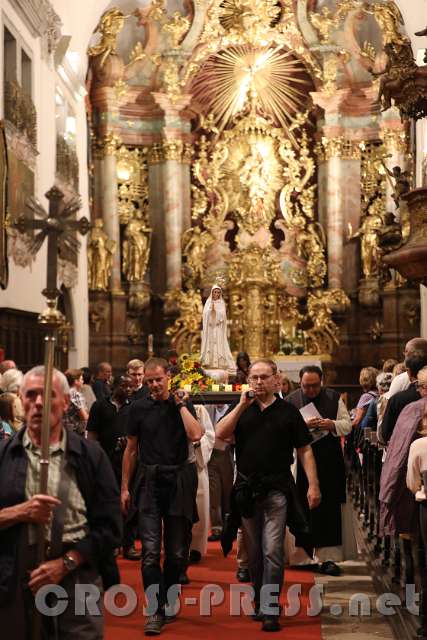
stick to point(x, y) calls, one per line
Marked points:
point(384, 380)
point(11, 380)
point(38, 372)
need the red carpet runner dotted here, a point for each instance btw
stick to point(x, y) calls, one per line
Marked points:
point(214, 569)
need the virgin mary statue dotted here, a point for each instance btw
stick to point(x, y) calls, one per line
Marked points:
point(216, 352)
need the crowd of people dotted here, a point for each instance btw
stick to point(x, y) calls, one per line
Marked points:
point(136, 469)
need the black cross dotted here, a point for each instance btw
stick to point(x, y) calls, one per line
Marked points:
point(58, 228)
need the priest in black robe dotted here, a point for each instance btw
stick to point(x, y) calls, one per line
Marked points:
point(334, 422)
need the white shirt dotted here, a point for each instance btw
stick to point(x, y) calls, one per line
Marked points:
point(399, 383)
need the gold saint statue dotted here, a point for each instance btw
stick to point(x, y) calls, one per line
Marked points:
point(136, 249)
point(369, 230)
point(100, 250)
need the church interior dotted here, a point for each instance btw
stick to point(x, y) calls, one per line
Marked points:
point(275, 148)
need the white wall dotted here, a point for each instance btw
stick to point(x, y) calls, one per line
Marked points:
point(26, 284)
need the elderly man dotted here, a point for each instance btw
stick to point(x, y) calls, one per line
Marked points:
point(328, 422)
point(414, 348)
point(401, 399)
point(81, 515)
point(266, 430)
point(6, 365)
point(160, 429)
point(102, 384)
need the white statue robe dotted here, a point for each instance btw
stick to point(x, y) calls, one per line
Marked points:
point(216, 352)
point(200, 531)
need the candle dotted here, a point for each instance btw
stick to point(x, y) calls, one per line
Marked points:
point(150, 343)
point(228, 387)
point(245, 387)
point(215, 387)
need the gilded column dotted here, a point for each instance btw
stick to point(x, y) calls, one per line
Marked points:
point(109, 204)
point(175, 188)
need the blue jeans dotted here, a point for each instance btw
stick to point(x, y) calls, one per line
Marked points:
point(264, 536)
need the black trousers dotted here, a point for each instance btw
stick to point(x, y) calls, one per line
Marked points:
point(154, 525)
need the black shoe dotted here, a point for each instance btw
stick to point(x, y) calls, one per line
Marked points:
point(243, 575)
point(270, 623)
point(130, 553)
point(258, 616)
point(214, 537)
point(154, 624)
point(183, 578)
point(329, 568)
point(194, 557)
point(169, 619)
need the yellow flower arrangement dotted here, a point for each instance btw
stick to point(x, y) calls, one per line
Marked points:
point(191, 374)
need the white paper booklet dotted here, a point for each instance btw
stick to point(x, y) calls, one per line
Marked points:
point(309, 411)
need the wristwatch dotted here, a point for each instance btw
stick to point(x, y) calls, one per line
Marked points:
point(69, 562)
point(180, 405)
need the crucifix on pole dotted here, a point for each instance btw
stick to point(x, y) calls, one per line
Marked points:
point(57, 226)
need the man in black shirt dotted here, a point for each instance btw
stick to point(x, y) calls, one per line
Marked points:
point(401, 399)
point(135, 370)
point(102, 384)
point(108, 424)
point(266, 431)
point(160, 428)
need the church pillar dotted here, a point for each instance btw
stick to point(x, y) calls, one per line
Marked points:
point(109, 205)
point(339, 194)
point(176, 187)
point(346, 122)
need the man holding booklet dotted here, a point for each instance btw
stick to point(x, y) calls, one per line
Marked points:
point(327, 419)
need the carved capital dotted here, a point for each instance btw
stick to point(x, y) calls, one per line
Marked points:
point(339, 147)
point(108, 146)
point(172, 107)
point(394, 139)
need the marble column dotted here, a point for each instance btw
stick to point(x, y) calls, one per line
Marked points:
point(339, 208)
point(175, 187)
point(156, 209)
point(109, 207)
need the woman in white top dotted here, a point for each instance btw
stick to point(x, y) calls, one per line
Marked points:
point(216, 352)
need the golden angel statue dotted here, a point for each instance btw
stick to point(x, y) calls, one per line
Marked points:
point(109, 26)
point(194, 245)
point(100, 250)
point(136, 249)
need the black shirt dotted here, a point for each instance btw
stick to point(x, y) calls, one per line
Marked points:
point(394, 407)
point(265, 440)
point(108, 422)
point(101, 389)
point(160, 431)
point(140, 394)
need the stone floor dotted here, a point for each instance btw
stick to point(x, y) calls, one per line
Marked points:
point(341, 618)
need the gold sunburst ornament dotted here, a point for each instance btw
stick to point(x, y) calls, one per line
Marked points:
point(228, 78)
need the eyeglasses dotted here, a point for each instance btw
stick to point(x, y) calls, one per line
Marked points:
point(261, 378)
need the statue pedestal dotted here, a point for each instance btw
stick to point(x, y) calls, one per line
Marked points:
point(292, 364)
point(219, 375)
